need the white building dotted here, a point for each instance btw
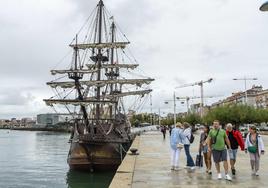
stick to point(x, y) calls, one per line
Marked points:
point(52, 119)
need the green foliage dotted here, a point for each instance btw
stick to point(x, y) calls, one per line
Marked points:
point(192, 119)
point(137, 119)
point(236, 114)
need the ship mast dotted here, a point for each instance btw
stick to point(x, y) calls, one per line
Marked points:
point(76, 77)
point(100, 5)
point(112, 70)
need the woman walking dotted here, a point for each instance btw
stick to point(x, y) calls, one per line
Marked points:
point(187, 133)
point(176, 146)
point(204, 148)
point(255, 147)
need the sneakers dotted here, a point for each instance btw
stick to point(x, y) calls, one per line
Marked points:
point(233, 172)
point(228, 177)
point(209, 172)
point(254, 173)
point(192, 168)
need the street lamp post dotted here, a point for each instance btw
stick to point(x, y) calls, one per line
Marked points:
point(174, 103)
point(151, 107)
point(187, 99)
point(245, 79)
point(174, 107)
point(159, 117)
point(264, 6)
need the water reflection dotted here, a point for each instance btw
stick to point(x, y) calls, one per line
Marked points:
point(77, 179)
point(38, 159)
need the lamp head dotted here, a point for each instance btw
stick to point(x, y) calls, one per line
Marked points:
point(264, 6)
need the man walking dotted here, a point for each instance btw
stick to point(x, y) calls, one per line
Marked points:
point(216, 142)
point(236, 140)
point(164, 130)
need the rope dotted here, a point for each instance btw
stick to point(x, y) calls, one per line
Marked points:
point(61, 60)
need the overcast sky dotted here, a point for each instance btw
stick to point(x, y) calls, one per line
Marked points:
point(174, 41)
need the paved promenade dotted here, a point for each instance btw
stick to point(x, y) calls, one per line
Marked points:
point(152, 168)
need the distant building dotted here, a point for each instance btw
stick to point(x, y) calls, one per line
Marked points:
point(262, 99)
point(51, 119)
point(256, 97)
point(196, 109)
point(4, 122)
point(27, 122)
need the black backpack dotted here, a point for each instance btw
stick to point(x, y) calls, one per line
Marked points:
point(191, 139)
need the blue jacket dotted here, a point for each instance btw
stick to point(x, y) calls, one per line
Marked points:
point(175, 138)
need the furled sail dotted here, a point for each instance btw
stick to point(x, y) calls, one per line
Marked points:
point(54, 72)
point(100, 45)
point(123, 94)
point(109, 66)
point(101, 83)
point(75, 102)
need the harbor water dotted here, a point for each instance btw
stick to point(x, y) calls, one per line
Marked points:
point(38, 159)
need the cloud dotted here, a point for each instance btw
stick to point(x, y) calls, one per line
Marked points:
point(175, 42)
point(211, 53)
point(15, 98)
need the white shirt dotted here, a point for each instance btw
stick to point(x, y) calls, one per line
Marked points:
point(186, 136)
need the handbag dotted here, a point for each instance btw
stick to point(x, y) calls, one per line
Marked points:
point(199, 160)
point(252, 149)
point(180, 145)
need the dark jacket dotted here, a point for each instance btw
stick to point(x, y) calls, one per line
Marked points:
point(238, 136)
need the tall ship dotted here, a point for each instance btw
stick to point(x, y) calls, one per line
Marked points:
point(94, 89)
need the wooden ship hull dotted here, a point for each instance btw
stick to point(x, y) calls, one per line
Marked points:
point(98, 152)
point(98, 156)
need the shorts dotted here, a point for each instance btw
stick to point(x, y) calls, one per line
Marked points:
point(205, 149)
point(232, 154)
point(219, 156)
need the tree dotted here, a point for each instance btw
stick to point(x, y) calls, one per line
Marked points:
point(236, 114)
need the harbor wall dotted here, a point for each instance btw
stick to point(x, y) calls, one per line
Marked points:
point(124, 174)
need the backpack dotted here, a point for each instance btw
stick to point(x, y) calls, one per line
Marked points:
point(191, 139)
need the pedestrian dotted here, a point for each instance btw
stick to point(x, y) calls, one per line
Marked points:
point(255, 147)
point(187, 134)
point(164, 130)
point(204, 148)
point(236, 140)
point(176, 145)
point(170, 129)
point(216, 143)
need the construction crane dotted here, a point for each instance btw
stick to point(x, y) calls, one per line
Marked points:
point(201, 84)
point(187, 99)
